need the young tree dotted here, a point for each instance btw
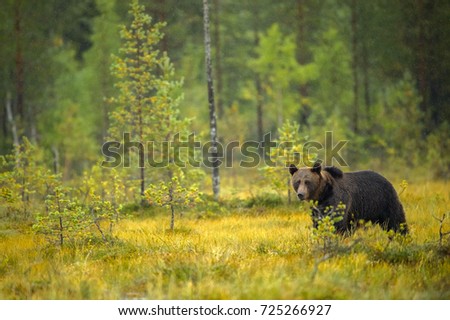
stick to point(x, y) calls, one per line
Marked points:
point(24, 180)
point(148, 113)
point(173, 193)
point(68, 219)
point(64, 221)
point(212, 112)
point(288, 150)
point(147, 95)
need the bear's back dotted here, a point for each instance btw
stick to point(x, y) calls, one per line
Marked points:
point(371, 193)
point(367, 181)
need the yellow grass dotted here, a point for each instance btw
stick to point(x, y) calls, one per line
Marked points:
point(238, 253)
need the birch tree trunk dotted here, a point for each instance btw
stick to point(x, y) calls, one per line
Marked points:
point(212, 112)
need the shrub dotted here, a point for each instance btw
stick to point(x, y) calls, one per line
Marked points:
point(175, 193)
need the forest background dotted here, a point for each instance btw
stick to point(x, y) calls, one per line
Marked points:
point(374, 73)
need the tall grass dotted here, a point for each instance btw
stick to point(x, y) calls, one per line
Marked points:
point(237, 252)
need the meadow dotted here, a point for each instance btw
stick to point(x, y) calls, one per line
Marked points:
point(245, 247)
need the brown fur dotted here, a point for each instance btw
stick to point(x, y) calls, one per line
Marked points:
point(366, 195)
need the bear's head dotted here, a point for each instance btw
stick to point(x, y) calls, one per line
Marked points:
point(313, 183)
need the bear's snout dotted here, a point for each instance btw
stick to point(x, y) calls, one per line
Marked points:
point(301, 195)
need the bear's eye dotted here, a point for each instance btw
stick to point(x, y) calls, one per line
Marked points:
point(296, 184)
point(306, 182)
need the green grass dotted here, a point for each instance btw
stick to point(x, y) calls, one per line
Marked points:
point(236, 252)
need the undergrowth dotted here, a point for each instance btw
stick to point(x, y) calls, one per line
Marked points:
point(231, 250)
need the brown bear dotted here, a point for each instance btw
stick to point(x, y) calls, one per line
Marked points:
point(366, 195)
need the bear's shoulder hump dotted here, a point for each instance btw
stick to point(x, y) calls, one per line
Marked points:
point(334, 172)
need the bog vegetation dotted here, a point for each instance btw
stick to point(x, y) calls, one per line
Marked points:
point(72, 228)
point(240, 248)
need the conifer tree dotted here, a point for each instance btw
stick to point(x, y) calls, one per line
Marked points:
point(147, 96)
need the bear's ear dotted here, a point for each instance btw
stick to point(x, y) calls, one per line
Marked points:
point(292, 169)
point(317, 167)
